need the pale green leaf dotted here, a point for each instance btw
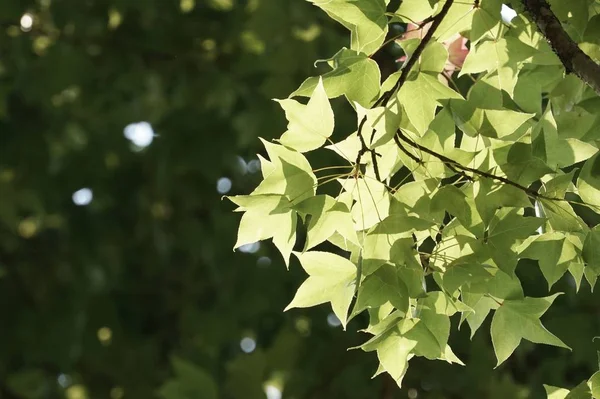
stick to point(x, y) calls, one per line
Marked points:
point(327, 217)
point(591, 250)
point(257, 226)
point(420, 97)
point(594, 384)
point(331, 279)
point(380, 124)
point(393, 354)
point(365, 19)
point(486, 20)
point(518, 319)
point(309, 125)
point(501, 58)
point(554, 253)
point(291, 174)
point(506, 122)
point(372, 201)
point(354, 75)
point(413, 11)
point(380, 287)
point(556, 392)
point(588, 182)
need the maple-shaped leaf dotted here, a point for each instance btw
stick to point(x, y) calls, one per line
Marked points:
point(518, 319)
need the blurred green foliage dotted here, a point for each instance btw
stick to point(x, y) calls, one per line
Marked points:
point(138, 294)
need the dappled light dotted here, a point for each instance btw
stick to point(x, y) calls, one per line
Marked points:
point(140, 134)
point(223, 185)
point(248, 345)
point(83, 197)
point(26, 22)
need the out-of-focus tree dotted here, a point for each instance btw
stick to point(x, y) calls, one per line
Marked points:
point(122, 123)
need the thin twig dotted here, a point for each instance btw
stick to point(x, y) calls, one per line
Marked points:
point(437, 20)
point(448, 161)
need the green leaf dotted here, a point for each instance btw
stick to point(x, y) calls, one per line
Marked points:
point(588, 182)
point(554, 253)
point(380, 125)
point(456, 275)
point(556, 392)
point(258, 226)
point(309, 125)
point(506, 122)
point(393, 354)
point(433, 58)
point(508, 227)
point(591, 250)
point(486, 21)
point(327, 217)
point(413, 11)
point(380, 287)
point(518, 319)
point(594, 384)
point(554, 150)
point(581, 391)
point(458, 19)
point(365, 19)
point(291, 174)
point(331, 279)
point(456, 203)
point(372, 201)
point(354, 75)
point(420, 96)
point(519, 164)
point(500, 58)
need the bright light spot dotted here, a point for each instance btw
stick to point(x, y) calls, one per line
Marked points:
point(242, 165)
point(83, 197)
point(223, 185)
point(253, 166)
point(104, 335)
point(333, 320)
point(76, 392)
point(412, 393)
point(272, 392)
point(141, 134)
point(538, 213)
point(114, 18)
point(248, 344)
point(28, 227)
point(187, 5)
point(63, 380)
point(507, 13)
point(263, 261)
point(26, 22)
point(250, 248)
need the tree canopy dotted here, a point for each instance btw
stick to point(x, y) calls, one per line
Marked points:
point(432, 177)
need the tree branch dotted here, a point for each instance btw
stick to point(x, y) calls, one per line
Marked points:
point(572, 57)
point(453, 164)
point(383, 100)
point(437, 20)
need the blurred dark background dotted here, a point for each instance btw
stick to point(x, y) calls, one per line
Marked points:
point(122, 123)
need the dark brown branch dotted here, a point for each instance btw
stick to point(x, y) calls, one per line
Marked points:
point(408, 153)
point(572, 57)
point(450, 162)
point(383, 100)
point(437, 20)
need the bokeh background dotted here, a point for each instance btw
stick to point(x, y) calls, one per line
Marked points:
point(122, 124)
